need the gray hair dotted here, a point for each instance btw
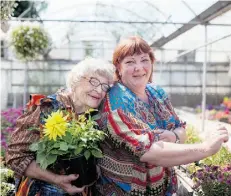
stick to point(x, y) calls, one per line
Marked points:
point(89, 66)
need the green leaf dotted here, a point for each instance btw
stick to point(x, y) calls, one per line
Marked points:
point(82, 145)
point(87, 154)
point(54, 151)
point(78, 150)
point(45, 160)
point(67, 137)
point(57, 145)
point(43, 164)
point(63, 146)
point(34, 147)
point(71, 147)
point(40, 155)
point(83, 139)
point(51, 159)
point(41, 146)
point(41, 160)
point(96, 117)
point(97, 153)
point(58, 152)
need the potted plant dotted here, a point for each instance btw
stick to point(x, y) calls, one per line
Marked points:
point(208, 177)
point(69, 145)
point(213, 180)
point(29, 41)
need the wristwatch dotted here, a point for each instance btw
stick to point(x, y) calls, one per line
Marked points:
point(177, 138)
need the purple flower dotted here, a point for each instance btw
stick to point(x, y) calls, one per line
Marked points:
point(8, 122)
point(4, 144)
point(200, 175)
point(212, 177)
point(210, 107)
point(228, 182)
point(207, 168)
point(214, 168)
point(228, 168)
point(220, 178)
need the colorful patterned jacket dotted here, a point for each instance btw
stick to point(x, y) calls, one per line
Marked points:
point(129, 123)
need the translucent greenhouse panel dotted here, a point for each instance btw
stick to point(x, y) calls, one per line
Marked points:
point(177, 78)
point(223, 79)
point(17, 89)
point(18, 77)
point(193, 79)
point(194, 90)
point(36, 89)
point(178, 90)
point(35, 77)
point(160, 67)
point(161, 79)
point(211, 79)
point(223, 90)
point(60, 53)
point(62, 79)
point(52, 78)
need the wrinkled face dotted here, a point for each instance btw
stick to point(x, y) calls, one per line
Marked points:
point(135, 71)
point(91, 90)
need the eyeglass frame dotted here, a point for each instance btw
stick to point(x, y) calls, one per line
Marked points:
point(101, 84)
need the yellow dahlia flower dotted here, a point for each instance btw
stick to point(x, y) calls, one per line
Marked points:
point(56, 125)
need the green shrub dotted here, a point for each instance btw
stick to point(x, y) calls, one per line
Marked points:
point(7, 189)
point(7, 176)
point(192, 135)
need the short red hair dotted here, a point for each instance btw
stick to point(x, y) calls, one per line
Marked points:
point(128, 47)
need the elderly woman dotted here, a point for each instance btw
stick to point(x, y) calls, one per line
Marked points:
point(143, 129)
point(87, 85)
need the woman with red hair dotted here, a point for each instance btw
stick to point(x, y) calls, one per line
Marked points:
point(143, 130)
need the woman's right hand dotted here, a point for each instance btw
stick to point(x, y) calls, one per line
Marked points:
point(215, 140)
point(64, 182)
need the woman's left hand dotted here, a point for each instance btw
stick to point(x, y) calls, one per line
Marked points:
point(64, 182)
point(167, 136)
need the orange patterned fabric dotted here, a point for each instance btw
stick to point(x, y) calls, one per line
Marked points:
point(34, 100)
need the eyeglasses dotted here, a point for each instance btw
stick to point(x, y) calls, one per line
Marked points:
point(95, 82)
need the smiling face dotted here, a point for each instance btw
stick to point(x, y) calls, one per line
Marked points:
point(90, 91)
point(135, 71)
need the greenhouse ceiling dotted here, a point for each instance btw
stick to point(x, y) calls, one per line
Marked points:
point(163, 23)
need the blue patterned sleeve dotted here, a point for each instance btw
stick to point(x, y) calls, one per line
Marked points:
point(167, 102)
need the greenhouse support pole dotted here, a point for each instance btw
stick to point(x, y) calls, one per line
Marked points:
point(204, 82)
point(162, 62)
point(25, 84)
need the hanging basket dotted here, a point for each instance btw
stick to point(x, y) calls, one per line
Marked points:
point(29, 41)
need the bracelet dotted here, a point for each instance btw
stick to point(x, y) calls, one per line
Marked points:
point(177, 138)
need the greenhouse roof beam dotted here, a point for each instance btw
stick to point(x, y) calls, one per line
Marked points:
point(212, 12)
point(117, 21)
